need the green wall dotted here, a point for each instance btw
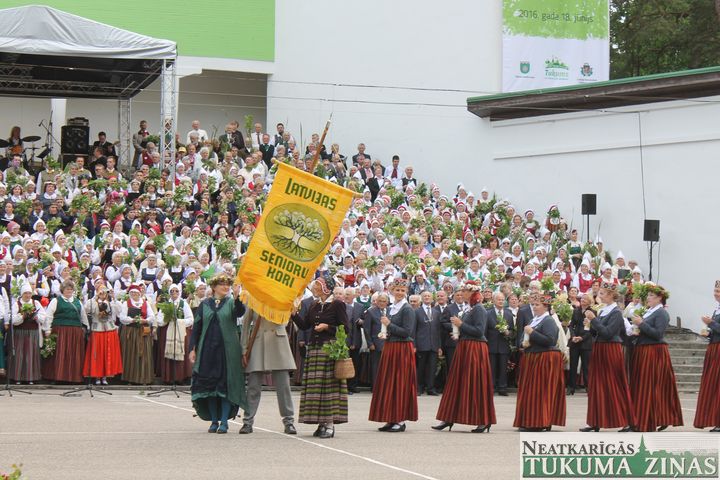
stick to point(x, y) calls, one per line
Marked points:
point(238, 29)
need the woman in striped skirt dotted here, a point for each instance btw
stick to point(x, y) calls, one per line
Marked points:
point(323, 399)
point(24, 366)
point(137, 317)
point(468, 395)
point(102, 357)
point(609, 404)
point(652, 381)
point(394, 398)
point(66, 318)
point(707, 413)
point(541, 392)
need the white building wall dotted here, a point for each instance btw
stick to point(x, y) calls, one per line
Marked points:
point(453, 50)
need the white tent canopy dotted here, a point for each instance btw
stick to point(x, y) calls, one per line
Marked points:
point(41, 30)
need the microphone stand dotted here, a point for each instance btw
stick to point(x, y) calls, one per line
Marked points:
point(172, 388)
point(11, 331)
point(89, 385)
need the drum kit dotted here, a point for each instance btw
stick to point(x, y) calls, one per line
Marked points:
point(21, 149)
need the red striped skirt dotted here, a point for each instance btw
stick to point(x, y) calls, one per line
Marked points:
point(541, 392)
point(159, 350)
point(653, 389)
point(468, 394)
point(708, 407)
point(102, 356)
point(609, 404)
point(394, 397)
point(66, 364)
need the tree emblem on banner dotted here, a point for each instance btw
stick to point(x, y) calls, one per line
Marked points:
point(524, 68)
point(297, 231)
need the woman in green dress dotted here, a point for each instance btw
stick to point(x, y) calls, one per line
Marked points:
point(218, 379)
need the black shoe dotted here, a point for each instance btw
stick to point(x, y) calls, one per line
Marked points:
point(213, 427)
point(327, 433)
point(290, 429)
point(397, 428)
point(662, 427)
point(546, 429)
point(442, 426)
point(715, 430)
point(590, 429)
point(319, 430)
point(385, 427)
point(481, 429)
point(353, 390)
point(432, 393)
point(502, 393)
point(571, 391)
point(626, 429)
point(245, 430)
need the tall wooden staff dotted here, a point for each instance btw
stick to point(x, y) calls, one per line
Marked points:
point(319, 147)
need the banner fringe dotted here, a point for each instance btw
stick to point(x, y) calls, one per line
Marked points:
point(271, 314)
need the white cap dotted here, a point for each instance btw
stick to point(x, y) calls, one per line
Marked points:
point(605, 266)
point(619, 255)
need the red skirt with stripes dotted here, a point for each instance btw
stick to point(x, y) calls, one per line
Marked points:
point(653, 389)
point(541, 392)
point(394, 398)
point(707, 413)
point(66, 364)
point(468, 394)
point(609, 404)
point(103, 357)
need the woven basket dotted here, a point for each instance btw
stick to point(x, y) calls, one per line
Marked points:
point(344, 369)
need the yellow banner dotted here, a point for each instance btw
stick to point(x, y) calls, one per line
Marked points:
point(300, 219)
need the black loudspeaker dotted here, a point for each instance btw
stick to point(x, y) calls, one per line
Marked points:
point(589, 204)
point(75, 139)
point(651, 233)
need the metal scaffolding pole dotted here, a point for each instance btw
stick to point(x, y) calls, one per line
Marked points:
point(125, 149)
point(168, 114)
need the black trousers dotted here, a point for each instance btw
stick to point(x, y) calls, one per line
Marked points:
point(498, 365)
point(355, 356)
point(374, 364)
point(426, 363)
point(578, 355)
point(449, 353)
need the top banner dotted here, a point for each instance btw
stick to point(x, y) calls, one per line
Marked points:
point(555, 43)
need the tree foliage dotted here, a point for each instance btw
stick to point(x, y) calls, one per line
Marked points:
point(657, 36)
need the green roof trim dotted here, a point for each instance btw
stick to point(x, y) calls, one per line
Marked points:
point(584, 86)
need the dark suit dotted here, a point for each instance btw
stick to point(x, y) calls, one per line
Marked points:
point(448, 343)
point(355, 315)
point(371, 182)
point(371, 327)
point(304, 335)
point(427, 343)
point(498, 347)
point(579, 352)
point(524, 318)
point(267, 151)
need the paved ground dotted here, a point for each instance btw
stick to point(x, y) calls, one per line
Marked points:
point(128, 435)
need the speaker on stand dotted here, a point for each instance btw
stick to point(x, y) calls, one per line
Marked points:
point(589, 207)
point(651, 233)
point(75, 142)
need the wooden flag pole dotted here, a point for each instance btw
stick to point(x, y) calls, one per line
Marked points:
point(319, 147)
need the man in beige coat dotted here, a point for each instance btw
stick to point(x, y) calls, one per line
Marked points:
point(270, 353)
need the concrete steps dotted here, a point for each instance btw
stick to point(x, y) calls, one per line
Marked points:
point(687, 353)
